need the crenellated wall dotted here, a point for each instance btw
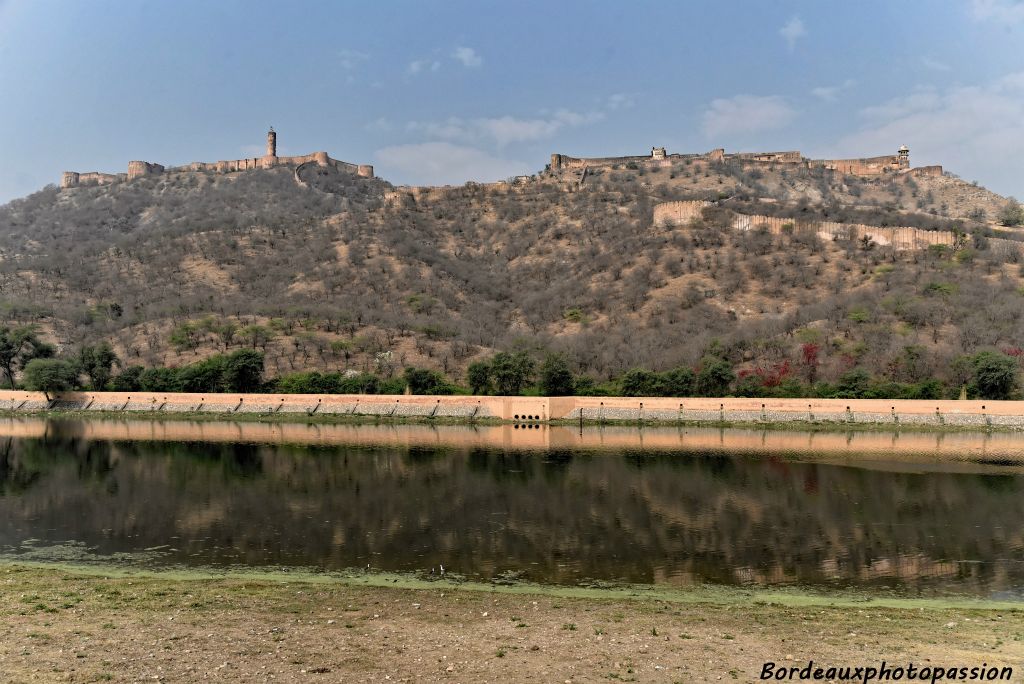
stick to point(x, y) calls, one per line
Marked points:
point(869, 166)
point(899, 237)
point(70, 179)
point(866, 166)
point(137, 169)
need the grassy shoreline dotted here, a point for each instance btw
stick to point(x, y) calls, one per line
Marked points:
point(336, 419)
point(703, 593)
point(105, 623)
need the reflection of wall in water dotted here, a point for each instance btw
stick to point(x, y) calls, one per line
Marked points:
point(560, 515)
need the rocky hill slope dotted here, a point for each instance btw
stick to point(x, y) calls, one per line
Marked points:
point(345, 272)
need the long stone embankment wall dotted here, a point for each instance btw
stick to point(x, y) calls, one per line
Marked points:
point(535, 409)
point(899, 237)
point(998, 446)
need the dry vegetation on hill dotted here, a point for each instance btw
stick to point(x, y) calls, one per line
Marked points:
point(173, 268)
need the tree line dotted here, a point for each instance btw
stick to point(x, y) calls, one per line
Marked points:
point(988, 374)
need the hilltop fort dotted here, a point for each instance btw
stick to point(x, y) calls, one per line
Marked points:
point(866, 166)
point(137, 169)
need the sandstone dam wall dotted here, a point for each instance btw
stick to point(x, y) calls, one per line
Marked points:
point(978, 413)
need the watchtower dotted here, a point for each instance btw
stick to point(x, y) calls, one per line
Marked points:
point(271, 143)
point(903, 157)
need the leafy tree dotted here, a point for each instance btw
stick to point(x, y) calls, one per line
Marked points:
point(511, 372)
point(242, 371)
point(715, 377)
point(853, 384)
point(809, 359)
point(424, 381)
point(995, 375)
point(96, 362)
point(256, 335)
point(159, 380)
point(185, 336)
point(128, 380)
point(679, 382)
point(202, 376)
point(555, 377)
point(478, 375)
point(640, 382)
point(18, 346)
point(50, 375)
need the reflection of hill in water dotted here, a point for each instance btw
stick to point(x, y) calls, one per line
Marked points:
point(558, 514)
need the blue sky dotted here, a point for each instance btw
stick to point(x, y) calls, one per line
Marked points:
point(434, 93)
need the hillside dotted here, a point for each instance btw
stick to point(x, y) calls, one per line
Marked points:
point(336, 271)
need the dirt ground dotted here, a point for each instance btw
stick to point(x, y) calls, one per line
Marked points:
point(59, 625)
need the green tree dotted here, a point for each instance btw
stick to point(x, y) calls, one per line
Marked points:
point(715, 377)
point(511, 372)
point(256, 335)
point(679, 382)
point(128, 380)
point(18, 346)
point(50, 375)
point(424, 381)
point(555, 377)
point(96, 362)
point(995, 375)
point(202, 376)
point(185, 336)
point(640, 382)
point(853, 384)
point(159, 380)
point(242, 371)
point(478, 375)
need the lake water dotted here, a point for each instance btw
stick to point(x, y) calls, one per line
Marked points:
point(913, 514)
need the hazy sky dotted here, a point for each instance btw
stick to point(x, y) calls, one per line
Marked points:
point(443, 92)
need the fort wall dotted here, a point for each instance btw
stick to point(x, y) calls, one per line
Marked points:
point(869, 166)
point(977, 413)
point(137, 169)
point(899, 237)
point(865, 166)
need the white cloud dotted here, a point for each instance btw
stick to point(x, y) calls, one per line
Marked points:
point(792, 30)
point(420, 65)
point(746, 114)
point(467, 56)
point(503, 130)
point(975, 131)
point(934, 64)
point(1001, 11)
point(441, 163)
point(351, 59)
point(621, 101)
point(831, 93)
point(379, 125)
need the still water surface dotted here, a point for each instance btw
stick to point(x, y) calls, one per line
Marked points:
point(917, 514)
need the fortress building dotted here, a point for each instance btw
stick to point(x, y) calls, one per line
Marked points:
point(867, 166)
point(137, 169)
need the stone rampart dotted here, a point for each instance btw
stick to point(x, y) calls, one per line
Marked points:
point(978, 413)
point(898, 237)
point(678, 213)
point(868, 166)
point(142, 168)
point(70, 179)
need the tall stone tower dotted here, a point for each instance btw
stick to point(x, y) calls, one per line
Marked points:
point(903, 157)
point(271, 143)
